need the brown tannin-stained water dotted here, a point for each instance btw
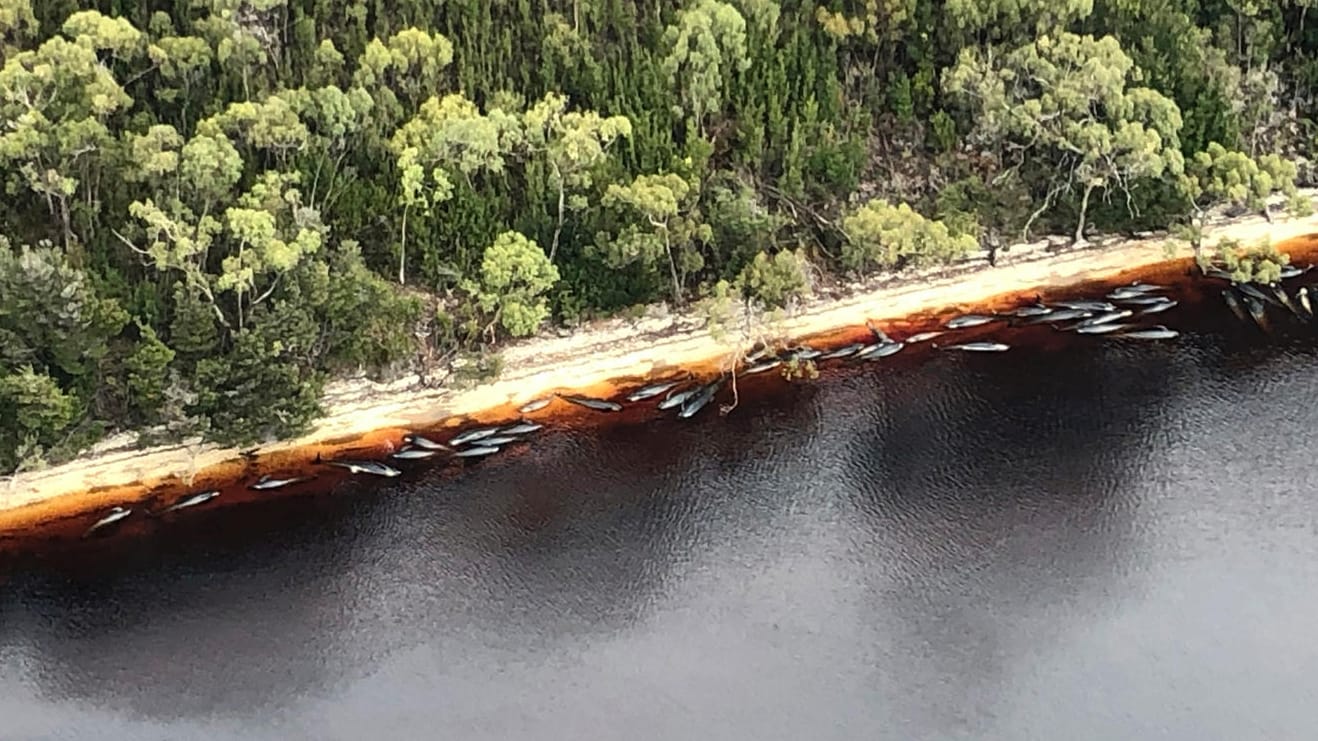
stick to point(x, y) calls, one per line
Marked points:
point(1081, 539)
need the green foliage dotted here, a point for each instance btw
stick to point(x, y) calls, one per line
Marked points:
point(257, 391)
point(886, 237)
point(1260, 263)
point(574, 145)
point(367, 323)
point(986, 210)
point(775, 281)
point(740, 225)
point(1221, 176)
point(55, 102)
point(899, 97)
point(449, 140)
point(37, 413)
point(718, 307)
point(942, 131)
point(667, 223)
point(706, 46)
point(52, 315)
point(1008, 19)
point(515, 275)
point(872, 21)
point(148, 376)
point(192, 331)
point(17, 23)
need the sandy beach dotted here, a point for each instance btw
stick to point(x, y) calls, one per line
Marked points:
point(594, 356)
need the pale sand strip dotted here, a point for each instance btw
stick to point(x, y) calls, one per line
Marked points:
point(617, 349)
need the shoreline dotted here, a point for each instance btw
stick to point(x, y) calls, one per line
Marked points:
point(361, 415)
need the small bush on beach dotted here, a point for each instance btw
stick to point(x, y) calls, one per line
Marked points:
point(882, 236)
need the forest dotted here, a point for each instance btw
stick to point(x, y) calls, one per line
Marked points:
point(214, 206)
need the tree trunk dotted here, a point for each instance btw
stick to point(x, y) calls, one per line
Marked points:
point(558, 229)
point(67, 224)
point(239, 290)
point(672, 266)
point(402, 251)
point(1084, 209)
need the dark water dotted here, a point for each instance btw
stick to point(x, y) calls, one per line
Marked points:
point(1104, 542)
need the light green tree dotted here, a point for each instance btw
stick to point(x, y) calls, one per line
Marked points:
point(449, 138)
point(1008, 18)
point(573, 143)
point(245, 35)
point(153, 155)
point(327, 65)
point(1068, 103)
point(17, 24)
point(336, 120)
point(706, 45)
point(880, 235)
point(867, 20)
point(669, 225)
point(515, 275)
point(270, 126)
point(257, 236)
point(776, 281)
point(55, 102)
point(179, 230)
point(1222, 177)
point(403, 71)
point(183, 64)
point(269, 232)
point(114, 37)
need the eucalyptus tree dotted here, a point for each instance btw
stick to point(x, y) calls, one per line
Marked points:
point(705, 47)
point(247, 38)
point(1219, 176)
point(56, 103)
point(17, 25)
point(869, 28)
point(448, 139)
point(270, 127)
point(573, 143)
point(1006, 20)
point(1068, 107)
point(403, 72)
point(183, 67)
point(666, 222)
point(515, 275)
point(269, 231)
point(255, 236)
point(336, 122)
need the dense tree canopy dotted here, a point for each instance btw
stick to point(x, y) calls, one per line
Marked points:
point(213, 207)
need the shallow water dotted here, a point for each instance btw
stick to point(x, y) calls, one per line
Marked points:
point(1104, 540)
